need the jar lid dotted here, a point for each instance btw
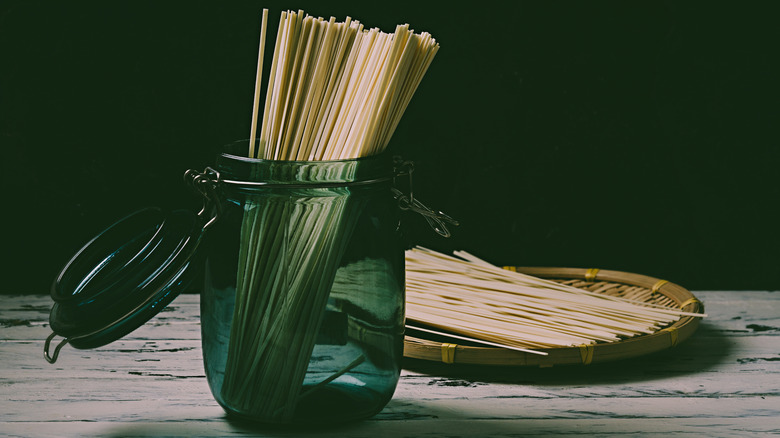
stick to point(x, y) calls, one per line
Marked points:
point(123, 277)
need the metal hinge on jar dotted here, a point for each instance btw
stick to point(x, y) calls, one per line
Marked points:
point(207, 184)
point(436, 219)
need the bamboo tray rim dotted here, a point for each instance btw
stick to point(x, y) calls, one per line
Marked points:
point(667, 337)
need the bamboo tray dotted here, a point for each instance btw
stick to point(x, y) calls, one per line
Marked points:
point(635, 286)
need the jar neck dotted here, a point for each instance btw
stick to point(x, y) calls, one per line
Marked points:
point(235, 167)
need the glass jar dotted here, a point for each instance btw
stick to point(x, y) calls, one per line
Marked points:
point(303, 304)
point(302, 310)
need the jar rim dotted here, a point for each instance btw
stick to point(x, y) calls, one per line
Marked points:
point(235, 169)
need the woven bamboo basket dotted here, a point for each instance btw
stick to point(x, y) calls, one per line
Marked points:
point(616, 283)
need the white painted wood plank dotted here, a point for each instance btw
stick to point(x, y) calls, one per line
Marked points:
point(451, 428)
point(725, 381)
point(683, 374)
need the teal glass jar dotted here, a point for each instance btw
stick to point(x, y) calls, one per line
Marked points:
point(302, 309)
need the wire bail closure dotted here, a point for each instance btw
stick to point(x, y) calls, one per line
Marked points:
point(206, 183)
point(53, 357)
point(436, 219)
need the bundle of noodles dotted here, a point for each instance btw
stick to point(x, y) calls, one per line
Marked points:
point(335, 92)
point(475, 300)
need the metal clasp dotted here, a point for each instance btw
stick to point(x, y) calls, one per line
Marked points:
point(436, 219)
point(53, 357)
point(207, 184)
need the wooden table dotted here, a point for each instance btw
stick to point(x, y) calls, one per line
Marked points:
point(724, 381)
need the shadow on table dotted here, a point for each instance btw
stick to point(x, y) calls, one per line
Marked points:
point(416, 419)
point(705, 349)
point(451, 422)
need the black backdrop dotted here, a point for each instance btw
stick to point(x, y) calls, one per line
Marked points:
point(638, 136)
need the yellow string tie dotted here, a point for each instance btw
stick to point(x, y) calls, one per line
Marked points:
point(448, 353)
point(590, 275)
point(657, 286)
point(586, 351)
point(689, 301)
point(511, 268)
point(673, 334)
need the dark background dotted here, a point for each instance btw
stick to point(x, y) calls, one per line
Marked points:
point(637, 136)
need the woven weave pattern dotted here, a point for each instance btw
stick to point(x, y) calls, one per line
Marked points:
point(614, 283)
